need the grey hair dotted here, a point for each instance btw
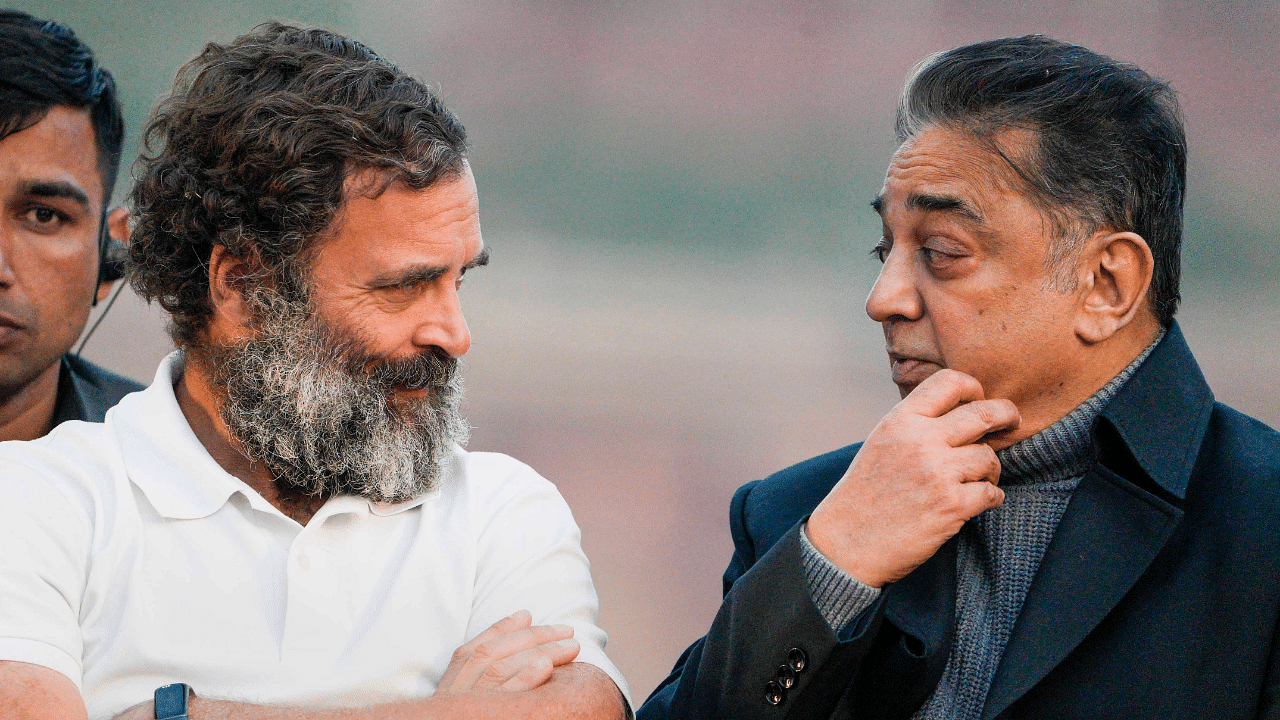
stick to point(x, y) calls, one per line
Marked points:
point(1108, 148)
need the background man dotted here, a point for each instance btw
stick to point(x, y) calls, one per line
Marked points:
point(285, 520)
point(1126, 564)
point(60, 136)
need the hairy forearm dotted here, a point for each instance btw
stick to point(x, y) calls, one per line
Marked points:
point(575, 692)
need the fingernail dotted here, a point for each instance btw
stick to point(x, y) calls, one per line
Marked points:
point(564, 628)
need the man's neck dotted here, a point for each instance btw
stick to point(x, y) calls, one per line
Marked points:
point(28, 413)
point(1083, 376)
point(200, 405)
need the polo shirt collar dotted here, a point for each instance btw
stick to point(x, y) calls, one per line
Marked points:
point(164, 458)
point(1162, 413)
point(166, 461)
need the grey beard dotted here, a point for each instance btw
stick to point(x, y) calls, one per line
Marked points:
point(316, 408)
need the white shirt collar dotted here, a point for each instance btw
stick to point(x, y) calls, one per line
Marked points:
point(166, 461)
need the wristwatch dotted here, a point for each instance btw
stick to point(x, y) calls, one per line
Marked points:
point(171, 701)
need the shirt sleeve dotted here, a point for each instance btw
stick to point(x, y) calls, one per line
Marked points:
point(529, 555)
point(839, 596)
point(44, 549)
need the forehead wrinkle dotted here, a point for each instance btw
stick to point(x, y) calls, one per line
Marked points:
point(955, 170)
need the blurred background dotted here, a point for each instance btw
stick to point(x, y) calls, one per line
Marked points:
point(675, 192)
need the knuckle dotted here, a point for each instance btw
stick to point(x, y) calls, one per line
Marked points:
point(483, 652)
point(992, 460)
point(986, 413)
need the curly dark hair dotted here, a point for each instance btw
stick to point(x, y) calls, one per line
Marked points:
point(251, 152)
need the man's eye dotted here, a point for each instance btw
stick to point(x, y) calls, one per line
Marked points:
point(935, 257)
point(881, 250)
point(44, 216)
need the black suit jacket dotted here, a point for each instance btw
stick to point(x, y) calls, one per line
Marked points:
point(86, 391)
point(1158, 596)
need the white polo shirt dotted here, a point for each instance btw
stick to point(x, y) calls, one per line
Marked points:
point(130, 559)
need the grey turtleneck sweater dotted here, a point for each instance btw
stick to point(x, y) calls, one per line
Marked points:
point(998, 554)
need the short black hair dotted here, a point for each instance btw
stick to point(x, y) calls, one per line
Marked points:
point(252, 151)
point(42, 65)
point(1109, 150)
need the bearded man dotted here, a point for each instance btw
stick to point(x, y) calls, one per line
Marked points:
point(284, 523)
point(1126, 564)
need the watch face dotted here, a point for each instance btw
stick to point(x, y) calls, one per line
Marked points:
point(171, 701)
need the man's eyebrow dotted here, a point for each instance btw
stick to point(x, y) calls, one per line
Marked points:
point(943, 203)
point(408, 276)
point(422, 273)
point(877, 204)
point(478, 261)
point(56, 189)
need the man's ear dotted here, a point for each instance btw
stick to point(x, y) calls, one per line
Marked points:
point(228, 275)
point(1116, 271)
point(118, 229)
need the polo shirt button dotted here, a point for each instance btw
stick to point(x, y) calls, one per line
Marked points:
point(304, 562)
point(797, 659)
point(786, 677)
point(774, 693)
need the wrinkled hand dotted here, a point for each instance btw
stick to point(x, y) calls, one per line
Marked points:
point(919, 476)
point(511, 655)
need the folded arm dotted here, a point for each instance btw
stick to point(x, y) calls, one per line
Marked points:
point(576, 690)
point(512, 670)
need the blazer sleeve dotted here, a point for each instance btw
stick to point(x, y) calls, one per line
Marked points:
point(766, 623)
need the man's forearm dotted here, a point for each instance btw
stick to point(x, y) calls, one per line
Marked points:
point(576, 690)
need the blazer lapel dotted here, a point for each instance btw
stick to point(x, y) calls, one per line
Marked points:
point(1110, 533)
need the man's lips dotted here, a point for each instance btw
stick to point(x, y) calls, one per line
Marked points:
point(10, 328)
point(910, 371)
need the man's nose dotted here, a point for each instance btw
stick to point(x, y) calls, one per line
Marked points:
point(444, 326)
point(7, 275)
point(895, 295)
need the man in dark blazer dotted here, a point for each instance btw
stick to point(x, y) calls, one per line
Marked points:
point(1058, 520)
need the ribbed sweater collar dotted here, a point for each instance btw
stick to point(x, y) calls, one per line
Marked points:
point(1064, 450)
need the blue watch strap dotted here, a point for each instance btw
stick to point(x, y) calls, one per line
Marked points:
point(171, 701)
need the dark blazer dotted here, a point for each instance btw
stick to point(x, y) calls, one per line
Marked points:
point(1158, 596)
point(86, 391)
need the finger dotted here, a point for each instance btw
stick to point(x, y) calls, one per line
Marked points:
point(485, 654)
point(941, 392)
point(516, 621)
point(557, 653)
point(976, 463)
point(971, 421)
point(978, 497)
point(530, 676)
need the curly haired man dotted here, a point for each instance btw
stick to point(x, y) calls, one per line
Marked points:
point(284, 523)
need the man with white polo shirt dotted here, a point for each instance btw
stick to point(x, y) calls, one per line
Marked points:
point(284, 523)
